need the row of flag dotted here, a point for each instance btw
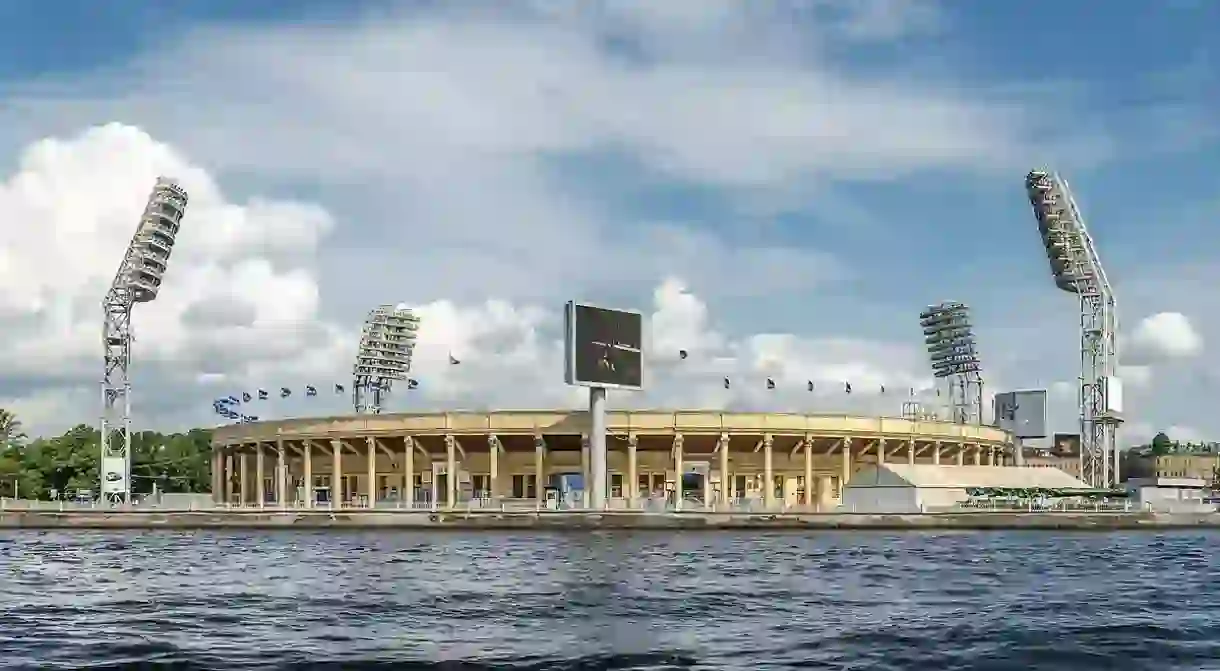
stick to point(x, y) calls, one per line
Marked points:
point(809, 385)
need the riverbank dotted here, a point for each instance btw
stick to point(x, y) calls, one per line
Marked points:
point(572, 520)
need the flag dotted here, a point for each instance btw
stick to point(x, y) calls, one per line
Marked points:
point(453, 360)
point(285, 392)
point(847, 387)
point(770, 383)
point(809, 385)
point(882, 389)
point(245, 419)
point(682, 354)
point(338, 389)
point(246, 397)
point(912, 392)
point(234, 400)
point(311, 390)
point(412, 383)
point(726, 383)
point(262, 394)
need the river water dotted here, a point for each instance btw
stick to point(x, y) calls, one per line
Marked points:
point(450, 601)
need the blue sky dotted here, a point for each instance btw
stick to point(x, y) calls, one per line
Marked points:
point(819, 169)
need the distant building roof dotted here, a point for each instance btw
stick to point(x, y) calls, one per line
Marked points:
point(1167, 483)
point(964, 477)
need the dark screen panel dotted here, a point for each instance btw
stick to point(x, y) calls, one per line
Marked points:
point(608, 346)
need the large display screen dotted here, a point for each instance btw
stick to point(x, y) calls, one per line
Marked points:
point(604, 347)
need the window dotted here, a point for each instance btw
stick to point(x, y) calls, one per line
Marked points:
point(481, 484)
point(658, 482)
point(835, 490)
point(525, 486)
point(616, 485)
point(643, 482)
point(778, 486)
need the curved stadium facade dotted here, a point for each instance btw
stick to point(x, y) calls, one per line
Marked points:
point(539, 459)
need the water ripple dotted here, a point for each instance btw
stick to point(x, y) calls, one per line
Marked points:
point(352, 601)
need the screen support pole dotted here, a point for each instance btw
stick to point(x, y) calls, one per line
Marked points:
point(597, 447)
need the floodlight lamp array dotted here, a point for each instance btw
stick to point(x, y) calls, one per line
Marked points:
point(154, 239)
point(949, 336)
point(1060, 226)
point(387, 344)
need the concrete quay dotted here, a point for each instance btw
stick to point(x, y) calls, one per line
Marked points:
point(281, 519)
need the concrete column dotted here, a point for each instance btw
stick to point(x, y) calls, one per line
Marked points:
point(726, 479)
point(823, 493)
point(283, 496)
point(845, 465)
point(307, 468)
point(677, 452)
point(370, 489)
point(539, 469)
point(493, 461)
point(768, 472)
point(586, 476)
point(911, 452)
point(408, 471)
point(881, 451)
point(229, 474)
point(633, 475)
point(961, 454)
point(260, 491)
point(808, 501)
point(243, 479)
point(991, 456)
point(936, 453)
point(451, 471)
point(336, 474)
point(707, 489)
point(218, 470)
point(978, 455)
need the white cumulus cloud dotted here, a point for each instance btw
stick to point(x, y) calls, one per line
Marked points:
point(1166, 335)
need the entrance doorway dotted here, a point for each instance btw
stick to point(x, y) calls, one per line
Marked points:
point(692, 485)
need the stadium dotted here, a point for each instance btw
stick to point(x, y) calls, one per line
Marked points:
point(693, 460)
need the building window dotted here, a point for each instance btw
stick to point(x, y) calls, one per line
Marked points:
point(835, 489)
point(525, 486)
point(616, 485)
point(481, 484)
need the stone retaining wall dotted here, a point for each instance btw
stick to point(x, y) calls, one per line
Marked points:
point(559, 521)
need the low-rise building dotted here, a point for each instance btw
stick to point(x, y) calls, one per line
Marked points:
point(1197, 461)
point(1169, 494)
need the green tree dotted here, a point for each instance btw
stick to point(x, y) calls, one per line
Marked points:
point(11, 433)
point(1161, 444)
point(173, 462)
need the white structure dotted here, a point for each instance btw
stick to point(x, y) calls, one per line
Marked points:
point(917, 488)
point(387, 345)
point(138, 280)
point(1169, 494)
point(1076, 268)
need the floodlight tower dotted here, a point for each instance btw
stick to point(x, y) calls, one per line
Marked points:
point(387, 344)
point(138, 280)
point(1076, 268)
point(949, 336)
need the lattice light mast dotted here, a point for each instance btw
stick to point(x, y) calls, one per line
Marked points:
point(1076, 268)
point(387, 344)
point(138, 280)
point(949, 336)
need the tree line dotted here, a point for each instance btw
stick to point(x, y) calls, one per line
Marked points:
point(63, 465)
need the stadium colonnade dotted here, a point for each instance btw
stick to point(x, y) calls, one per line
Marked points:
point(539, 459)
